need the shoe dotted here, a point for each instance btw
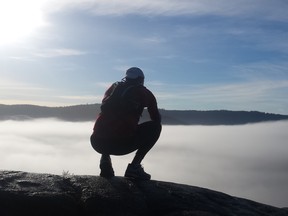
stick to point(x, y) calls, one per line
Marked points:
point(136, 171)
point(106, 170)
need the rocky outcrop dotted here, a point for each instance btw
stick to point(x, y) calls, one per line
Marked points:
point(24, 193)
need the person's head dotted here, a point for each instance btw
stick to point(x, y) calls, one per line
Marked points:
point(135, 75)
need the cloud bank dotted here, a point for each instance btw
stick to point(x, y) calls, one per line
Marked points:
point(248, 161)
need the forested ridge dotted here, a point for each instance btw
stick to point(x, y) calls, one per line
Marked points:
point(88, 112)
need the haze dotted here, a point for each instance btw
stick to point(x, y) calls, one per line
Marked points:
point(248, 161)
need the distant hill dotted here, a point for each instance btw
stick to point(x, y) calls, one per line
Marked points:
point(169, 117)
point(67, 113)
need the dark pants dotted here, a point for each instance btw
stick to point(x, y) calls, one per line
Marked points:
point(143, 140)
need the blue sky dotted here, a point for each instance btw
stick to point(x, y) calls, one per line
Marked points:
point(196, 54)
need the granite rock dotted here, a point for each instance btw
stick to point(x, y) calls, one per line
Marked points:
point(23, 193)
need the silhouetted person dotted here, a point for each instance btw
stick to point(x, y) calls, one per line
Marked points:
point(117, 130)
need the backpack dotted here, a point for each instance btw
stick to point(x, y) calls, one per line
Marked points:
point(120, 100)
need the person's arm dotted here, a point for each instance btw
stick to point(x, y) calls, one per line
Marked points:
point(152, 107)
point(109, 92)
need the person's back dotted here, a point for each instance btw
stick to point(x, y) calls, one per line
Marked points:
point(122, 108)
point(116, 130)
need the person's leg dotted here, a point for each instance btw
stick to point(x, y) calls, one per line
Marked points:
point(111, 146)
point(106, 166)
point(114, 145)
point(105, 161)
point(147, 135)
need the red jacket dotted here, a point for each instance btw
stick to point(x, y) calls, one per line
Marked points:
point(113, 123)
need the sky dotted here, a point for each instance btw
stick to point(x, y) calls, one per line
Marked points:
point(196, 54)
point(248, 161)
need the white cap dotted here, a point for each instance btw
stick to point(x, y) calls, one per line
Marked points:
point(134, 73)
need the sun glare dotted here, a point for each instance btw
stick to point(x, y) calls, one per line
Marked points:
point(19, 19)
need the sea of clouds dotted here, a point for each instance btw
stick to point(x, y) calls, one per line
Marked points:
point(249, 161)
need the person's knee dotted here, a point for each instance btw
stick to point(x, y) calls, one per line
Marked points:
point(148, 133)
point(157, 128)
point(155, 125)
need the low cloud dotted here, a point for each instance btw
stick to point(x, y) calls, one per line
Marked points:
point(247, 161)
point(52, 53)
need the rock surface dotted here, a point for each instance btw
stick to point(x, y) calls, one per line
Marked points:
point(23, 193)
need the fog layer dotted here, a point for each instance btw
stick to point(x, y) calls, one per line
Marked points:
point(247, 161)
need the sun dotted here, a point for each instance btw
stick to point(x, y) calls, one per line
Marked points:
point(19, 19)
